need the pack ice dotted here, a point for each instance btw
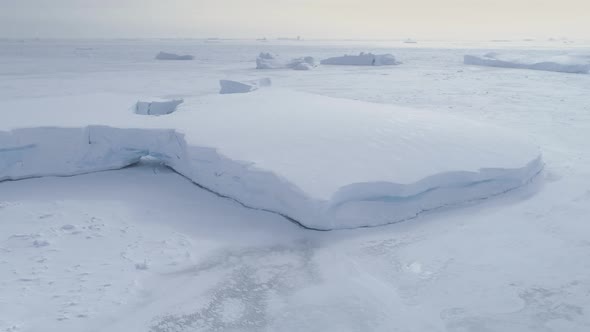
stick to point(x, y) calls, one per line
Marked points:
point(363, 59)
point(560, 63)
point(323, 162)
point(271, 61)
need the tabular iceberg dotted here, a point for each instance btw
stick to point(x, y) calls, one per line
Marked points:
point(230, 86)
point(363, 59)
point(270, 61)
point(157, 106)
point(562, 63)
point(323, 162)
point(172, 56)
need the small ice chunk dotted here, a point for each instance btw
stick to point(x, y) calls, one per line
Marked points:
point(40, 243)
point(229, 86)
point(172, 56)
point(142, 266)
point(157, 106)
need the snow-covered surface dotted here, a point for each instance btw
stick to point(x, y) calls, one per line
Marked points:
point(272, 61)
point(363, 59)
point(172, 56)
point(230, 86)
point(143, 249)
point(157, 106)
point(335, 163)
point(560, 63)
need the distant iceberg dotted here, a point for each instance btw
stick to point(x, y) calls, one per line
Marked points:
point(172, 56)
point(363, 59)
point(229, 86)
point(157, 106)
point(561, 63)
point(271, 61)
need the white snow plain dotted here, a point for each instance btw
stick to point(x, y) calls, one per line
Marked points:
point(144, 249)
point(559, 63)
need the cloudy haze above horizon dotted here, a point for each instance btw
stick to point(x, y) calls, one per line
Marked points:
point(338, 19)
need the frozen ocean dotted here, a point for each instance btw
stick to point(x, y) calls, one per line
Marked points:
point(176, 185)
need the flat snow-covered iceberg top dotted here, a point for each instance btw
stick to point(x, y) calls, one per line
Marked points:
point(560, 63)
point(327, 163)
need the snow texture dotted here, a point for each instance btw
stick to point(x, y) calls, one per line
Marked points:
point(229, 86)
point(157, 106)
point(363, 59)
point(336, 163)
point(172, 56)
point(270, 61)
point(559, 63)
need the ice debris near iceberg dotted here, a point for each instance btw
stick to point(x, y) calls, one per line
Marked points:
point(270, 61)
point(561, 63)
point(363, 59)
point(323, 162)
point(157, 106)
point(172, 56)
point(229, 86)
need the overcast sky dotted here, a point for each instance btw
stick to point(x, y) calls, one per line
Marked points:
point(371, 19)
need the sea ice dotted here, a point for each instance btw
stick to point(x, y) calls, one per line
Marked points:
point(363, 59)
point(560, 63)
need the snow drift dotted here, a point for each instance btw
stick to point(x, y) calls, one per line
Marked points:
point(229, 86)
point(560, 63)
point(326, 163)
point(363, 59)
point(172, 56)
point(270, 61)
point(157, 106)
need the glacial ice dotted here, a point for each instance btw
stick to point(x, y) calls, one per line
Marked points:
point(172, 56)
point(229, 86)
point(363, 59)
point(331, 163)
point(561, 63)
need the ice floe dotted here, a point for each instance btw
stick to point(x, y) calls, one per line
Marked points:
point(559, 63)
point(324, 162)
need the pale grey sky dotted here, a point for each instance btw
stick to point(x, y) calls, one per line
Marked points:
point(378, 19)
